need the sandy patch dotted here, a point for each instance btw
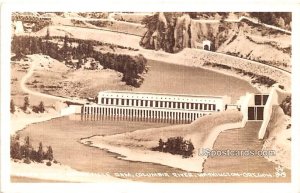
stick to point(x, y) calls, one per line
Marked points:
point(57, 172)
point(51, 77)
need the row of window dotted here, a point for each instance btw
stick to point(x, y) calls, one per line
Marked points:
point(158, 104)
point(144, 98)
point(146, 113)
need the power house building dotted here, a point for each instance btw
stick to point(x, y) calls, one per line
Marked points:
point(156, 106)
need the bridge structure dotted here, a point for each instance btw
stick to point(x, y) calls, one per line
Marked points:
point(155, 106)
point(29, 18)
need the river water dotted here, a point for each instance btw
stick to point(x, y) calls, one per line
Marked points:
point(169, 78)
point(64, 133)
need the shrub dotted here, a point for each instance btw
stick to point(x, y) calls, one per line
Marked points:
point(35, 109)
point(263, 80)
point(48, 163)
point(176, 145)
point(39, 109)
point(27, 160)
point(286, 105)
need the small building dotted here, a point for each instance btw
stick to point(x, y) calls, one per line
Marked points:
point(206, 45)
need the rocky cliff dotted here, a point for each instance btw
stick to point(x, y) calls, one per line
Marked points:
point(172, 32)
point(167, 31)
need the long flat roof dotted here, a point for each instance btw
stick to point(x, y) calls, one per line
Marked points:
point(159, 94)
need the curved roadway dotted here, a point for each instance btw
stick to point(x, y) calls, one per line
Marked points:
point(247, 60)
point(218, 53)
point(36, 93)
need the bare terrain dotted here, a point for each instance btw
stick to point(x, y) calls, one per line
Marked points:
point(53, 77)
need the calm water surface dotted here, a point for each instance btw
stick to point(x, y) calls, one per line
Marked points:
point(169, 78)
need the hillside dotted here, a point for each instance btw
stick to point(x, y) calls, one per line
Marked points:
point(259, 36)
point(258, 43)
point(245, 38)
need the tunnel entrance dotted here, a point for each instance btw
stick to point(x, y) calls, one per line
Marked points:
point(207, 45)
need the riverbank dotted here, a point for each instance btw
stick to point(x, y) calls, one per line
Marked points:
point(197, 58)
point(137, 145)
point(190, 59)
point(22, 172)
point(20, 119)
point(186, 57)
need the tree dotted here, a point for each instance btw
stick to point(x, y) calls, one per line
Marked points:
point(40, 153)
point(34, 46)
point(161, 145)
point(15, 148)
point(41, 107)
point(65, 47)
point(12, 106)
point(33, 155)
point(49, 154)
point(26, 103)
point(47, 34)
point(27, 148)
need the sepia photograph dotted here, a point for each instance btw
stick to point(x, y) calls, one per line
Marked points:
point(150, 97)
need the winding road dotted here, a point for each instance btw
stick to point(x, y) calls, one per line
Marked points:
point(36, 93)
point(144, 51)
point(251, 61)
